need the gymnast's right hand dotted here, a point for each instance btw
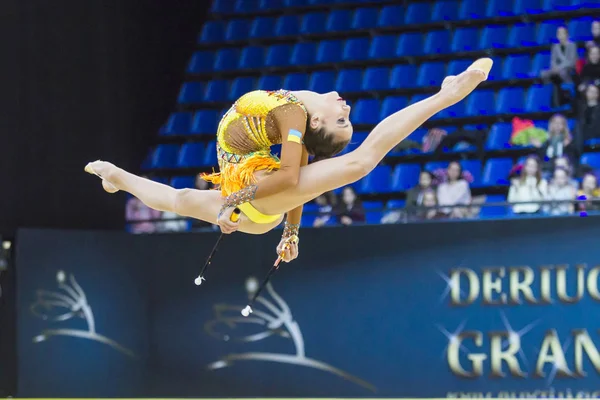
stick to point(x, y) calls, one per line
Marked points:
point(225, 223)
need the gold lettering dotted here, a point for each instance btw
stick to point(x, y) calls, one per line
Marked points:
point(455, 286)
point(476, 359)
point(518, 286)
point(552, 352)
point(493, 284)
point(497, 355)
point(592, 283)
point(561, 284)
point(545, 289)
point(584, 343)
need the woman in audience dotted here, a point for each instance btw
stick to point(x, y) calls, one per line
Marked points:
point(414, 196)
point(590, 74)
point(589, 117)
point(595, 35)
point(560, 190)
point(528, 189)
point(589, 191)
point(560, 142)
point(455, 191)
point(563, 58)
point(350, 209)
point(326, 205)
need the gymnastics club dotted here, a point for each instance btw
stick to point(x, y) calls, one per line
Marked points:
point(248, 310)
point(235, 216)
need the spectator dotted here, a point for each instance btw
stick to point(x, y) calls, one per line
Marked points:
point(430, 200)
point(589, 117)
point(560, 141)
point(589, 191)
point(454, 191)
point(565, 163)
point(563, 58)
point(350, 209)
point(135, 211)
point(560, 189)
point(595, 35)
point(414, 196)
point(326, 205)
point(528, 189)
point(590, 74)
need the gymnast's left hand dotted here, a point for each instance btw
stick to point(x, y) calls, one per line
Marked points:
point(290, 252)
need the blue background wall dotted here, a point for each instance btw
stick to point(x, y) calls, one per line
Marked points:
point(371, 301)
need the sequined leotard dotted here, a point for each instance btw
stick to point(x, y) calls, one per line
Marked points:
point(245, 136)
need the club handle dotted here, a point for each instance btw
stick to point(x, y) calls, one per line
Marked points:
point(235, 215)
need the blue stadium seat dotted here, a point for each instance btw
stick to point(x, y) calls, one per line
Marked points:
point(494, 37)
point(356, 49)
point(418, 135)
point(465, 39)
point(418, 13)
point(316, 2)
point(269, 82)
point(522, 35)
point(410, 44)
point(212, 32)
point(287, 25)
point(263, 27)
point(330, 51)
point(541, 61)
point(472, 9)
point(499, 137)
point(403, 76)
point(456, 111)
point(217, 90)
point(510, 101)
point(366, 111)
point(205, 122)
point(241, 86)
point(237, 29)
point(528, 7)
point(591, 159)
point(474, 167)
point(221, 6)
point(244, 6)
point(457, 66)
point(350, 80)
point(405, 176)
point(581, 29)
point(278, 55)
point(165, 156)
point(557, 5)
point(322, 81)
point(383, 47)
point(304, 53)
point(431, 74)
point(296, 81)
point(373, 217)
point(377, 181)
point(227, 60)
point(295, 3)
point(191, 155)
point(500, 8)
point(481, 102)
point(392, 104)
point(210, 155)
point(435, 165)
point(357, 139)
point(517, 66)
point(339, 20)
point(445, 10)
point(266, 5)
point(376, 78)
point(493, 211)
point(365, 18)
point(201, 61)
point(191, 92)
point(183, 182)
point(313, 23)
point(547, 32)
point(395, 204)
point(391, 16)
point(252, 57)
point(437, 42)
point(179, 123)
point(496, 171)
point(539, 98)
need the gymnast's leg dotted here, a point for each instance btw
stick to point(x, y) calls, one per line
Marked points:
point(333, 173)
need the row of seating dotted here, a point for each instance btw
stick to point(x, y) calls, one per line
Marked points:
point(439, 11)
point(349, 20)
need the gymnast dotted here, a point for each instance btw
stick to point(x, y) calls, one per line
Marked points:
point(264, 187)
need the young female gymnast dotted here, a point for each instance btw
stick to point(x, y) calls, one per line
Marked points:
point(263, 187)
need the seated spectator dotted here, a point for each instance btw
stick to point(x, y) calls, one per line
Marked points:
point(595, 35)
point(414, 196)
point(454, 191)
point(528, 189)
point(563, 59)
point(589, 117)
point(350, 208)
point(590, 74)
point(560, 189)
point(326, 205)
point(172, 223)
point(589, 191)
point(135, 210)
point(430, 200)
point(560, 141)
point(565, 163)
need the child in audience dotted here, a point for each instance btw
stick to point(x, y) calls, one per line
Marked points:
point(528, 189)
point(560, 189)
point(430, 200)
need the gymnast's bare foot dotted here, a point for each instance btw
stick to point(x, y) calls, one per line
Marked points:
point(456, 88)
point(105, 171)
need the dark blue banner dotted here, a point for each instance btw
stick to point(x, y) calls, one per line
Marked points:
point(492, 309)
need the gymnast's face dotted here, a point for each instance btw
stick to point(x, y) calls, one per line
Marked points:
point(334, 116)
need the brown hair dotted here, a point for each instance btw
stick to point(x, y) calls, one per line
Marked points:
point(322, 144)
